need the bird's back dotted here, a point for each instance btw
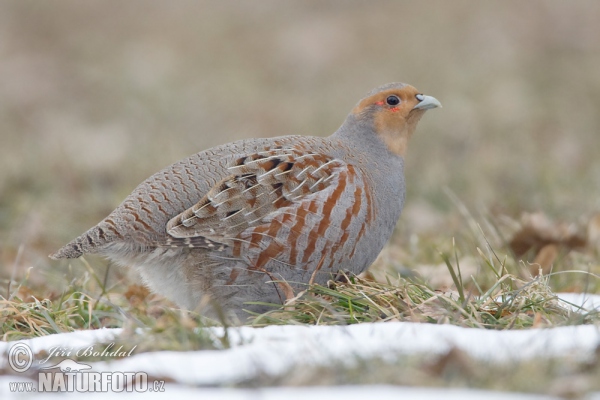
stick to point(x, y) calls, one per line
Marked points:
point(141, 219)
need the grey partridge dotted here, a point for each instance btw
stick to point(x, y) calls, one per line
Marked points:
point(256, 220)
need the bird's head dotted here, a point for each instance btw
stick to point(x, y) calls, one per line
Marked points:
point(393, 111)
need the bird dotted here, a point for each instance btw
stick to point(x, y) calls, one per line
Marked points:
point(253, 222)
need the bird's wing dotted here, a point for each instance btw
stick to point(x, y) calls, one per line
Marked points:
point(271, 198)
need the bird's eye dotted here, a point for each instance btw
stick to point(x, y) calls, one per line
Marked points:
point(393, 100)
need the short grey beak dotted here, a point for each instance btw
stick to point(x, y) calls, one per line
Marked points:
point(427, 102)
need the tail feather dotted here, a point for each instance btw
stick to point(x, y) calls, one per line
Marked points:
point(90, 242)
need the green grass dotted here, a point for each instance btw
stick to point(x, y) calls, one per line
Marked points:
point(150, 323)
point(496, 299)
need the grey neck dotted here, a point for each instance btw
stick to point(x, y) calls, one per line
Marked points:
point(359, 132)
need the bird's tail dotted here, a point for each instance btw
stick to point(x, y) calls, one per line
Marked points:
point(90, 242)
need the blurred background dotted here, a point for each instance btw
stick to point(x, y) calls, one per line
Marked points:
point(96, 96)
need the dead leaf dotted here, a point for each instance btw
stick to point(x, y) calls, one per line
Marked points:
point(544, 238)
point(544, 260)
point(136, 294)
point(593, 233)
